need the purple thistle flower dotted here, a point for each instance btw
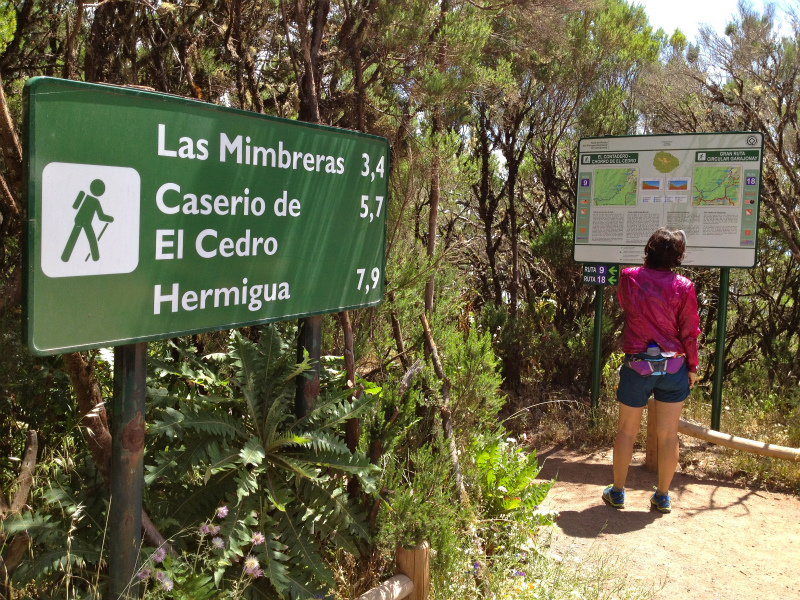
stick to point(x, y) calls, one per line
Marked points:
point(251, 567)
point(205, 529)
point(214, 529)
point(258, 538)
point(222, 511)
point(159, 555)
point(217, 543)
point(167, 584)
point(161, 576)
point(144, 574)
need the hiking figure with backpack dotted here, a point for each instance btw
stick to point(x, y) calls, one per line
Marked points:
point(88, 206)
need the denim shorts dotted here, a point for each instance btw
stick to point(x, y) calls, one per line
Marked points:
point(634, 390)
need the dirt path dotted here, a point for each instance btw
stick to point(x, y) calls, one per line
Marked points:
point(721, 541)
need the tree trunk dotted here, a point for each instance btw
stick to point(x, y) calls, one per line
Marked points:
point(397, 333)
point(445, 411)
point(108, 52)
point(433, 200)
point(512, 361)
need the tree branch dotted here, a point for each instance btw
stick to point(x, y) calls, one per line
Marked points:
point(445, 412)
point(12, 154)
point(15, 551)
point(25, 478)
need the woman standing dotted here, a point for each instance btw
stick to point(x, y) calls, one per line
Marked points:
point(660, 344)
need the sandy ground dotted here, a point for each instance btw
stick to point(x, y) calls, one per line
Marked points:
point(721, 541)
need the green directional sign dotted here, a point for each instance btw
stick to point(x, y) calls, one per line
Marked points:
point(595, 274)
point(151, 216)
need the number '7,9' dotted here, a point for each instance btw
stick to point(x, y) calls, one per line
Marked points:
point(376, 277)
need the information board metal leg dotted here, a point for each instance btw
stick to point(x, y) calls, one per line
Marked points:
point(598, 345)
point(127, 474)
point(310, 340)
point(719, 354)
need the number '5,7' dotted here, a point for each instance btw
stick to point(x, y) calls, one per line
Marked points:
point(365, 212)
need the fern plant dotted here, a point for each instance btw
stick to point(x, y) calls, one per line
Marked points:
point(275, 473)
point(506, 475)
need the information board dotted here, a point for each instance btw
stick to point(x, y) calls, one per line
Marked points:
point(708, 185)
point(152, 216)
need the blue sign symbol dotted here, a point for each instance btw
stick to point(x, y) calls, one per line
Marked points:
point(584, 183)
point(601, 269)
point(750, 181)
point(601, 279)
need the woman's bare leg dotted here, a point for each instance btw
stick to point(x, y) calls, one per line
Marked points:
point(627, 428)
point(667, 416)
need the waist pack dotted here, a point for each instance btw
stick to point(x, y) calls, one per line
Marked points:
point(654, 366)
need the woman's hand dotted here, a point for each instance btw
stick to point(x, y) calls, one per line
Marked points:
point(692, 378)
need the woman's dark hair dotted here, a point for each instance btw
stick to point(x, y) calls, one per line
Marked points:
point(665, 248)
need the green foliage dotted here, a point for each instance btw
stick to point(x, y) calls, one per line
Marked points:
point(505, 475)
point(281, 475)
point(68, 530)
point(473, 370)
point(197, 576)
point(509, 501)
point(8, 24)
point(516, 86)
point(421, 508)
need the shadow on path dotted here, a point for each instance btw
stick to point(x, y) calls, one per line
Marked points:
point(591, 522)
point(721, 541)
point(591, 473)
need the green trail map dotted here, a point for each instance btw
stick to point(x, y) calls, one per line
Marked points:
point(716, 186)
point(615, 187)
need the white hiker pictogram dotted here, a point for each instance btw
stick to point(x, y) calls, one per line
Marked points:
point(88, 206)
point(89, 219)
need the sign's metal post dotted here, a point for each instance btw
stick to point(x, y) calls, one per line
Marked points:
point(598, 345)
point(598, 276)
point(719, 354)
point(127, 474)
point(308, 386)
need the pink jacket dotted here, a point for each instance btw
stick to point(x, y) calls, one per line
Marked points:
point(661, 306)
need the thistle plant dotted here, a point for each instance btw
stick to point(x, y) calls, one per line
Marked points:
point(282, 479)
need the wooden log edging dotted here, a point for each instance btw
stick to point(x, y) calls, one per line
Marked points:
point(399, 586)
point(412, 580)
point(738, 443)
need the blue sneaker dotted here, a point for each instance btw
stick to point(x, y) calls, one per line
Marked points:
point(612, 498)
point(661, 503)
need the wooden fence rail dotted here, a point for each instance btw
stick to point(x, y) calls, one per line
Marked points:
point(715, 437)
point(412, 580)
